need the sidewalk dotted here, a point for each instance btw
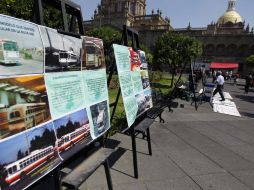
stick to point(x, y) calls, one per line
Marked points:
point(192, 150)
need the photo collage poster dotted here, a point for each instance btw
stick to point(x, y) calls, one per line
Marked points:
point(53, 99)
point(133, 75)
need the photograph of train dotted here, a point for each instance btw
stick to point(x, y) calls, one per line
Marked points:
point(62, 52)
point(142, 56)
point(27, 157)
point(21, 48)
point(144, 101)
point(93, 53)
point(100, 117)
point(23, 104)
point(145, 79)
point(73, 133)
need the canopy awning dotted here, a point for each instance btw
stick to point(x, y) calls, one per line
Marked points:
point(218, 65)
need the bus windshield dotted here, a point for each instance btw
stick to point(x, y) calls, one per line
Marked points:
point(10, 46)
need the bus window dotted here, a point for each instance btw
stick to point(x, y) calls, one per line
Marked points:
point(10, 170)
point(10, 46)
point(17, 114)
point(14, 168)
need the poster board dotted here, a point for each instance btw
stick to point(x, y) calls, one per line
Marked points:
point(53, 99)
point(132, 70)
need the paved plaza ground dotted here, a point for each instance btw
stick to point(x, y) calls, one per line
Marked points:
point(192, 150)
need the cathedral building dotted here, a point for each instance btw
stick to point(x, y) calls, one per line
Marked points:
point(116, 13)
point(229, 40)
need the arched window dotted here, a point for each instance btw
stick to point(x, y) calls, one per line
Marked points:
point(232, 50)
point(220, 49)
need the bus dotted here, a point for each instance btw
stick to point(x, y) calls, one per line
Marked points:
point(72, 138)
point(19, 169)
point(68, 58)
point(94, 56)
point(28, 115)
point(100, 121)
point(9, 52)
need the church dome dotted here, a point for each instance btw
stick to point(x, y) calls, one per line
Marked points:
point(230, 16)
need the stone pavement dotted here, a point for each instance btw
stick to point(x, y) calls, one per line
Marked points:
point(192, 150)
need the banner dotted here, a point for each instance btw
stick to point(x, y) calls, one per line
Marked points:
point(53, 99)
point(134, 81)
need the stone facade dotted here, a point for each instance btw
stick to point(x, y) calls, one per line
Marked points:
point(227, 40)
point(116, 13)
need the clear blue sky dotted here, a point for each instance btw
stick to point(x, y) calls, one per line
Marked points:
point(181, 12)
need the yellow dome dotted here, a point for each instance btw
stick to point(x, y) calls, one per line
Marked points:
point(230, 16)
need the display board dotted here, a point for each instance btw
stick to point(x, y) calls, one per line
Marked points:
point(53, 99)
point(132, 70)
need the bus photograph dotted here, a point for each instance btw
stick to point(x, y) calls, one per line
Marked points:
point(93, 55)
point(21, 52)
point(73, 133)
point(33, 155)
point(9, 52)
point(23, 104)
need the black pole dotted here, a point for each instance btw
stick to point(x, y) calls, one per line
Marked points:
point(134, 151)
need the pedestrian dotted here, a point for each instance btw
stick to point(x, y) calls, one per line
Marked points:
point(236, 79)
point(248, 81)
point(220, 82)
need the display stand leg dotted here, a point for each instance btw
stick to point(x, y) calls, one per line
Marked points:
point(149, 141)
point(134, 152)
point(108, 175)
point(57, 182)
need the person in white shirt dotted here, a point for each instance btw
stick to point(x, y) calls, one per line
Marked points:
point(220, 82)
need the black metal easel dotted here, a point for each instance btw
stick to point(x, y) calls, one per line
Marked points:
point(127, 34)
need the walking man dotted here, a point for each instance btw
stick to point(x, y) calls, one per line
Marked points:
point(220, 82)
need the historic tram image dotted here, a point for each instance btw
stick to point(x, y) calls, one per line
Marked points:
point(73, 132)
point(21, 49)
point(62, 53)
point(33, 156)
point(100, 117)
point(145, 79)
point(93, 53)
point(23, 104)
point(144, 101)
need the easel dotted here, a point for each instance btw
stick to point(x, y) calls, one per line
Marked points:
point(134, 37)
point(69, 8)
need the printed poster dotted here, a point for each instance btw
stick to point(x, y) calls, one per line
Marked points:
point(52, 105)
point(134, 81)
point(21, 48)
point(95, 86)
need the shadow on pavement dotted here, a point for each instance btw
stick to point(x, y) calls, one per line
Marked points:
point(251, 115)
point(246, 98)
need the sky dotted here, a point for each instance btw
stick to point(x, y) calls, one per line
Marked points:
point(198, 12)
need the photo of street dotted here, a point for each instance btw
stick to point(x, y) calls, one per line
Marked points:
point(20, 52)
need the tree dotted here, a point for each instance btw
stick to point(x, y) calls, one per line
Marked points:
point(23, 9)
point(250, 61)
point(176, 50)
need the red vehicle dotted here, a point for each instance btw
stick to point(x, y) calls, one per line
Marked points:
point(19, 169)
point(135, 61)
point(72, 138)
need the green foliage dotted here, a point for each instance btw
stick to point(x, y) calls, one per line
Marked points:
point(23, 9)
point(176, 49)
point(27, 55)
point(149, 55)
point(17, 8)
point(250, 61)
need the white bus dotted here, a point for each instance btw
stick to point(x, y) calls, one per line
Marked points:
point(93, 55)
point(28, 115)
point(9, 52)
point(19, 169)
point(68, 58)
